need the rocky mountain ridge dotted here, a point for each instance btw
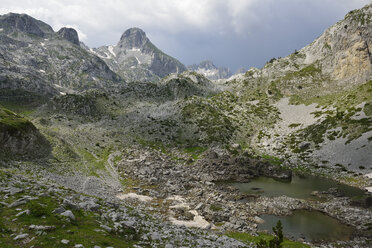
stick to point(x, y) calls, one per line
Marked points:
point(37, 59)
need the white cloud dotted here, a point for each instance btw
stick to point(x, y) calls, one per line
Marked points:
point(175, 16)
point(89, 17)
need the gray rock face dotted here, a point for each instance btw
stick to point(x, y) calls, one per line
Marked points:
point(69, 34)
point(24, 23)
point(135, 58)
point(210, 71)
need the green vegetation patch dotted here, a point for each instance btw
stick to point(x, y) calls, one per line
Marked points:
point(248, 238)
point(210, 120)
point(195, 151)
point(301, 84)
point(95, 162)
point(368, 108)
point(20, 101)
point(360, 16)
point(272, 159)
point(339, 97)
point(336, 124)
point(311, 70)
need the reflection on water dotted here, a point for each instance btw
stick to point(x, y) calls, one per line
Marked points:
point(298, 187)
point(309, 225)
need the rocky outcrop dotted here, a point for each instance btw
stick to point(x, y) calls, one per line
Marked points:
point(77, 105)
point(345, 48)
point(342, 53)
point(69, 34)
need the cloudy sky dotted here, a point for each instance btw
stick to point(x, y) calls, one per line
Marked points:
point(232, 33)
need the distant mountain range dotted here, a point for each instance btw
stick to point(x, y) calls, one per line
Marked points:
point(210, 71)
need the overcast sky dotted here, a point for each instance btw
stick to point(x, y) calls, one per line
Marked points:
point(231, 33)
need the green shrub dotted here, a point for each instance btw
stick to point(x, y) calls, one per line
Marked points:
point(37, 210)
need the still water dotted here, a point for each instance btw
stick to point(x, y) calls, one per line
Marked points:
point(298, 187)
point(311, 226)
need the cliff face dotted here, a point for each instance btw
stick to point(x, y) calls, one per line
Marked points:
point(344, 50)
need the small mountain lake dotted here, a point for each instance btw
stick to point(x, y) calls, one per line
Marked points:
point(311, 226)
point(297, 187)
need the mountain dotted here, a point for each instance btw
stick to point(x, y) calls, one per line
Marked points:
point(209, 70)
point(35, 58)
point(149, 163)
point(136, 58)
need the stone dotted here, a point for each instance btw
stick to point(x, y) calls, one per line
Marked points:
point(65, 241)
point(23, 212)
point(18, 203)
point(14, 190)
point(68, 204)
point(69, 215)
point(258, 220)
point(21, 236)
point(129, 223)
point(235, 146)
point(155, 236)
point(41, 228)
point(89, 206)
point(199, 206)
point(59, 210)
point(106, 228)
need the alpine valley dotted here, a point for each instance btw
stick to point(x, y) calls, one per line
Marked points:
point(124, 146)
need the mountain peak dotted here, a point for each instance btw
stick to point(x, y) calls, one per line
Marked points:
point(133, 38)
point(69, 34)
point(24, 23)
